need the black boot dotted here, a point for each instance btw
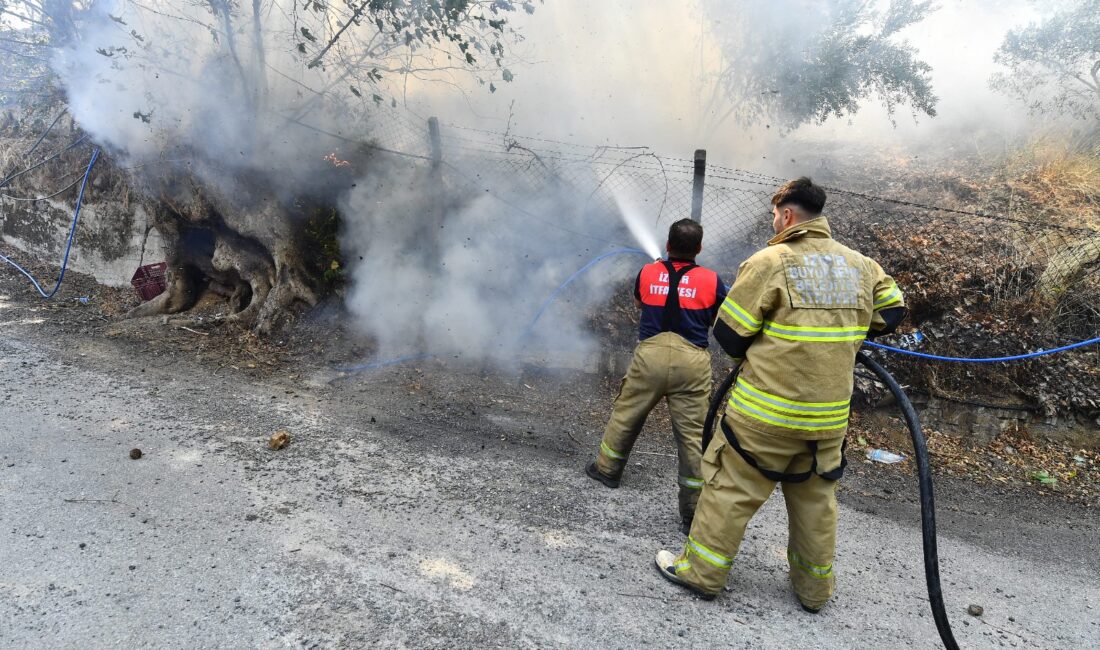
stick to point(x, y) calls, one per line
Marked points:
point(611, 482)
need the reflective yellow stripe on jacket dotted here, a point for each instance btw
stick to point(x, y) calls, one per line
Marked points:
point(788, 414)
point(741, 315)
point(887, 295)
point(814, 334)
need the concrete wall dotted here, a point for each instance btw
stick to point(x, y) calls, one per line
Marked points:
point(113, 238)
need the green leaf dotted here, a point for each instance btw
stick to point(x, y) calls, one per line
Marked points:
point(492, 87)
point(308, 34)
point(302, 48)
point(1044, 477)
point(377, 99)
point(862, 441)
point(355, 91)
point(507, 74)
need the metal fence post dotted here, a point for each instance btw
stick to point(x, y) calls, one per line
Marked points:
point(697, 185)
point(437, 143)
point(435, 178)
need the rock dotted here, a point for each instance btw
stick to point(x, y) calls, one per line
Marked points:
point(975, 610)
point(135, 453)
point(278, 439)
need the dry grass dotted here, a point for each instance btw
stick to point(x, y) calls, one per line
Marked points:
point(1058, 179)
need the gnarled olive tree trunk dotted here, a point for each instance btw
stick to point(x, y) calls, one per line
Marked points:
point(245, 245)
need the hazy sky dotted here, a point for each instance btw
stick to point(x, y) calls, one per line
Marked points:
point(633, 72)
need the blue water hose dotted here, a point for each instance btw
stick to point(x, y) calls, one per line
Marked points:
point(579, 272)
point(68, 245)
point(376, 365)
point(1015, 357)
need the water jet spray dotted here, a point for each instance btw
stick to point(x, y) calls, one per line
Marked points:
point(632, 216)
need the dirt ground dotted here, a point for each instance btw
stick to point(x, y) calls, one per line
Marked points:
point(436, 504)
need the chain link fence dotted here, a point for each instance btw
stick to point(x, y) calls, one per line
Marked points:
point(976, 284)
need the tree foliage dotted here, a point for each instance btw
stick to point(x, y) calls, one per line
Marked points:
point(359, 49)
point(1054, 65)
point(795, 62)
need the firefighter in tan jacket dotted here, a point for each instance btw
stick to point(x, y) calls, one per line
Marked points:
point(796, 314)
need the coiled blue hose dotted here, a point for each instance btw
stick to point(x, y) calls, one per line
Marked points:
point(68, 245)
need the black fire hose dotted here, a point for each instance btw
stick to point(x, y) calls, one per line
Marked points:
point(924, 475)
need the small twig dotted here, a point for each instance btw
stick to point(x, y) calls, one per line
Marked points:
point(579, 443)
point(639, 596)
point(655, 453)
point(194, 331)
point(391, 587)
point(113, 499)
point(294, 550)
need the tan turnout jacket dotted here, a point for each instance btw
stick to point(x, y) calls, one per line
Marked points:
point(810, 301)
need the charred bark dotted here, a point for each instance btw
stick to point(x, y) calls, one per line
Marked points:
point(245, 245)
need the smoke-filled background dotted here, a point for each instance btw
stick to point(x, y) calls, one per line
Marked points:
point(459, 261)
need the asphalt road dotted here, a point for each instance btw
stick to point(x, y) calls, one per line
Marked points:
point(421, 512)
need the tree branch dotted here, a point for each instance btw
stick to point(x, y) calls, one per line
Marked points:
point(4, 10)
point(261, 57)
point(222, 7)
point(354, 17)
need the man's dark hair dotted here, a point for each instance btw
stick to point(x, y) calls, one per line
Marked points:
point(803, 193)
point(685, 237)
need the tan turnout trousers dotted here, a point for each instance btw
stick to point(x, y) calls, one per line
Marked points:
point(664, 366)
point(735, 490)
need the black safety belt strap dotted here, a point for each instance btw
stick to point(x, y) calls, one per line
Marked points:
point(670, 317)
point(781, 477)
point(836, 474)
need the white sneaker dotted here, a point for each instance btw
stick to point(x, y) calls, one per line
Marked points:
point(664, 561)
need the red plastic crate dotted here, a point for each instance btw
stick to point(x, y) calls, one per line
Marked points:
point(150, 281)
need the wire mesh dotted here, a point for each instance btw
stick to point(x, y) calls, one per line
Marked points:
point(1008, 259)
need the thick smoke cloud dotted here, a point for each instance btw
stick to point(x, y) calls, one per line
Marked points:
point(471, 286)
point(437, 265)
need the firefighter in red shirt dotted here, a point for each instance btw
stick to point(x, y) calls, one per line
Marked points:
point(679, 301)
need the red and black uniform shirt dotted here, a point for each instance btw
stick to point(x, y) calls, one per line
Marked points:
point(700, 292)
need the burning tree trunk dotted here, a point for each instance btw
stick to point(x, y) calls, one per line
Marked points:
point(243, 244)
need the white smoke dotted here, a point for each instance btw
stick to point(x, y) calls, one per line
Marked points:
point(468, 278)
